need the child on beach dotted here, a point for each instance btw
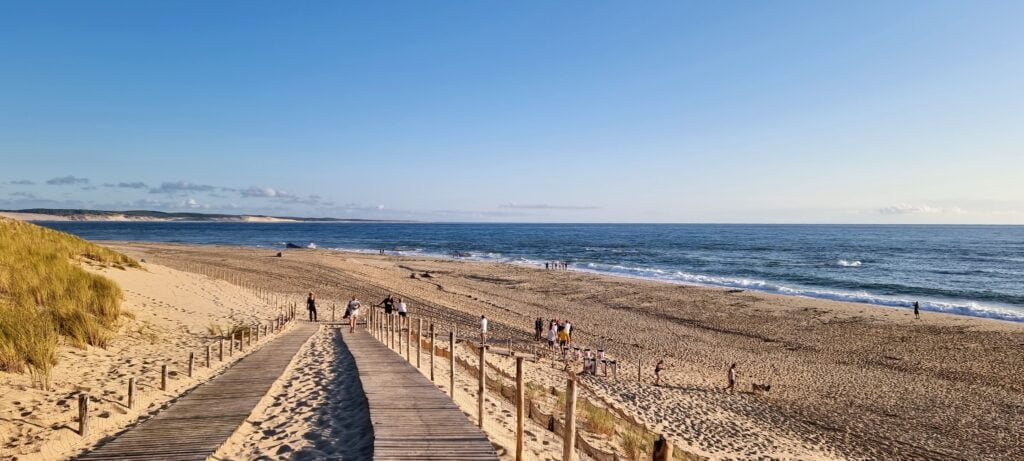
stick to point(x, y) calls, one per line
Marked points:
point(657, 372)
point(311, 307)
point(353, 310)
point(732, 379)
point(917, 310)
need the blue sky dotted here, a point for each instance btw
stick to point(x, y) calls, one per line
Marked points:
point(885, 112)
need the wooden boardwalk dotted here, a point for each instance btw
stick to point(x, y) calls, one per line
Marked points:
point(412, 419)
point(195, 426)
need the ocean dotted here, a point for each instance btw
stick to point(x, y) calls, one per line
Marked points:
point(968, 270)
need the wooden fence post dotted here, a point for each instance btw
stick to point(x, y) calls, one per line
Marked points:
point(191, 362)
point(131, 392)
point(419, 341)
point(639, 365)
point(451, 363)
point(248, 334)
point(408, 341)
point(231, 345)
point(333, 305)
point(481, 385)
point(221, 351)
point(520, 410)
point(83, 414)
point(433, 351)
point(163, 377)
point(208, 352)
point(662, 450)
point(569, 437)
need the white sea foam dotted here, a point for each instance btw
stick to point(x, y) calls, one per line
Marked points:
point(968, 308)
point(311, 245)
point(846, 263)
point(953, 307)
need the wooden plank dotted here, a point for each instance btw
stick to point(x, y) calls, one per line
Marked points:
point(412, 419)
point(200, 421)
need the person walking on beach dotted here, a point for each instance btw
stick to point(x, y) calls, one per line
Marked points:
point(568, 332)
point(657, 372)
point(917, 310)
point(311, 307)
point(353, 309)
point(388, 303)
point(552, 334)
point(538, 329)
point(403, 310)
point(483, 331)
point(732, 379)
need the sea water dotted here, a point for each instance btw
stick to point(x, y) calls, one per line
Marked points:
point(969, 270)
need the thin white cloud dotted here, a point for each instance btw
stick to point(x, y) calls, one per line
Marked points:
point(265, 192)
point(21, 182)
point(67, 180)
point(128, 185)
point(544, 206)
point(906, 209)
point(178, 187)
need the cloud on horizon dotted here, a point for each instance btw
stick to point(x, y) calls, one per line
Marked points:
point(67, 180)
point(21, 182)
point(178, 187)
point(544, 206)
point(265, 192)
point(128, 185)
point(907, 209)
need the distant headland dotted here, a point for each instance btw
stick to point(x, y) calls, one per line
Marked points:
point(58, 214)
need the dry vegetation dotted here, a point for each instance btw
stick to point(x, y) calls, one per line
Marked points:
point(45, 295)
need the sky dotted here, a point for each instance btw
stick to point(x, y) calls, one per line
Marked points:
point(538, 111)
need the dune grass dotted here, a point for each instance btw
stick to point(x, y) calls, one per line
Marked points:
point(45, 294)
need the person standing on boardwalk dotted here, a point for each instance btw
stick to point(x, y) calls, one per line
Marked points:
point(483, 331)
point(353, 309)
point(732, 379)
point(311, 307)
point(403, 310)
point(917, 310)
point(388, 303)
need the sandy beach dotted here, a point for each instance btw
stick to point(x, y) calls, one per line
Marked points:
point(849, 381)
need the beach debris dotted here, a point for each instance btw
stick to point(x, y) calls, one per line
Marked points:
point(291, 245)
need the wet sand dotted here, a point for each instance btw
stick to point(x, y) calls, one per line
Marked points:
point(848, 380)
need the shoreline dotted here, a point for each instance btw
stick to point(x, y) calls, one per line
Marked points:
point(903, 306)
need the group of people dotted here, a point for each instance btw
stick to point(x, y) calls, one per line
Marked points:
point(556, 331)
point(351, 311)
point(557, 265)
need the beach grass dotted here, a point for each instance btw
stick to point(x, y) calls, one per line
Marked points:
point(45, 295)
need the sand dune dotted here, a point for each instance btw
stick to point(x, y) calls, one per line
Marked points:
point(172, 311)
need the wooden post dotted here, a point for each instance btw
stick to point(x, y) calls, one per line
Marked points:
point(332, 312)
point(131, 392)
point(419, 341)
point(163, 377)
point(569, 437)
point(662, 449)
point(248, 334)
point(481, 385)
point(433, 351)
point(408, 341)
point(221, 351)
point(451, 363)
point(191, 362)
point(231, 345)
point(639, 365)
point(208, 353)
point(258, 332)
point(520, 410)
point(83, 414)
